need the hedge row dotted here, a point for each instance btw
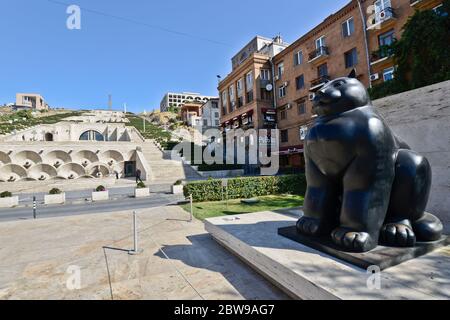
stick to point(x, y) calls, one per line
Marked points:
point(246, 187)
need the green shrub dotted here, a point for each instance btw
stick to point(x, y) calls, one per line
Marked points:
point(100, 189)
point(141, 185)
point(178, 183)
point(6, 194)
point(247, 187)
point(55, 191)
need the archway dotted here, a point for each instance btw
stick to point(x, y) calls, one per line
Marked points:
point(92, 135)
point(49, 136)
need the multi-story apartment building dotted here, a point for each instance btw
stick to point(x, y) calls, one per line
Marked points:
point(210, 114)
point(355, 37)
point(246, 94)
point(385, 21)
point(31, 101)
point(177, 100)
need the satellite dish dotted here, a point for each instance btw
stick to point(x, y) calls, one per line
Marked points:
point(269, 87)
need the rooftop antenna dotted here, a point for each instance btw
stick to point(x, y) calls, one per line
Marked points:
point(110, 102)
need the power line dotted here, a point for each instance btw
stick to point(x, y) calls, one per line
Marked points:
point(156, 27)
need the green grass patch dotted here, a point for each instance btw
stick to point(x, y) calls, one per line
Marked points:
point(206, 210)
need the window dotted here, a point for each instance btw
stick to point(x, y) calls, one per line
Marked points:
point(232, 100)
point(280, 69)
point(439, 10)
point(217, 123)
point(284, 136)
point(249, 96)
point(224, 99)
point(298, 58)
point(266, 95)
point(240, 101)
point(216, 114)
point(283, 114)
point(300, 82)
point(387, 38)
point(265, 74)
point(92, 136)
point(351, 58)
point(205, 122)
point(320, 42)
point(388, 74)
point(282, 91)
point(239, 87)
point(249, 81)
point(322, 70)
point(348, 28)
point(382, 6)
point(301, 107)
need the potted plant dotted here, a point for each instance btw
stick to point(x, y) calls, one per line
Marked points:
point(177, 188)
point(100, 194)
point(141, 190)
point(7, 200)
point(55, 196)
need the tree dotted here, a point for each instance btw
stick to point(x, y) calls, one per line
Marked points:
point(422, 54)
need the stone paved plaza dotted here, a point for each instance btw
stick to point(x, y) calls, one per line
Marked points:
point(35, 257)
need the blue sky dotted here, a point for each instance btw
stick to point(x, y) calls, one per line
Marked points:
point(136, 62)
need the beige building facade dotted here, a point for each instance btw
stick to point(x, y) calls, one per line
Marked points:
point(31, 101)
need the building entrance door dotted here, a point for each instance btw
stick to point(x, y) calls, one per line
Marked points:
point(130, 169)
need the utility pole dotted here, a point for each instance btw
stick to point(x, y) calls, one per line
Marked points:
point(143, 119)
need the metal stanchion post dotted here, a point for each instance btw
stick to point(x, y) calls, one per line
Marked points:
point(136, 250)
point(34, 207)
point(192, 207)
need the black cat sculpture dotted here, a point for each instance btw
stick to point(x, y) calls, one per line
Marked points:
point(365, 186)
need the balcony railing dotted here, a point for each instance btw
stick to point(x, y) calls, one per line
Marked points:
point(383, 52)
point(319, 81)
point(319, 52)
point(381, 16)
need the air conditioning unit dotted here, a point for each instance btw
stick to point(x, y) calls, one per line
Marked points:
point(277, 78)
point(311, 96)
point(288, 106)
point(374, 77)
point(285, 84)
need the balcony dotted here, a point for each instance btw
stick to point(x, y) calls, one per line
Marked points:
point(383, 19)
point(319, 82)
point(319, 55)
point(382, 54)
point(421, 4)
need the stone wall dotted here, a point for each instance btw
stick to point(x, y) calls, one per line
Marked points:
point(422, 118)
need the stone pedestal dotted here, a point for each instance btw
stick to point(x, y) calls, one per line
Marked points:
point(306, 273)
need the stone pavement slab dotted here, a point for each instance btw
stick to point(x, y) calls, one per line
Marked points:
point(35, 257)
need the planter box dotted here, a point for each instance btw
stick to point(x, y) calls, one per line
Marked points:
point(177, 189)
point(100, 196)
point(9, 202)
point(55, 198)
point(141, 193)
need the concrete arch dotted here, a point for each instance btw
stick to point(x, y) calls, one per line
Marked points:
point(98, 170)
point(26, 158)
point(111, 157)
point(92, 135)
point(71, 171)
point(57, 158)
point(42, 172)
point(4, 158)
point(12, 173)
point(85, 158)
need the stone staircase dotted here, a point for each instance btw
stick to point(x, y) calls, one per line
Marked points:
point(165, 170)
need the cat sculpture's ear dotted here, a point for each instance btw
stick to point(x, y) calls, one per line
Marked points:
point(352, 74)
